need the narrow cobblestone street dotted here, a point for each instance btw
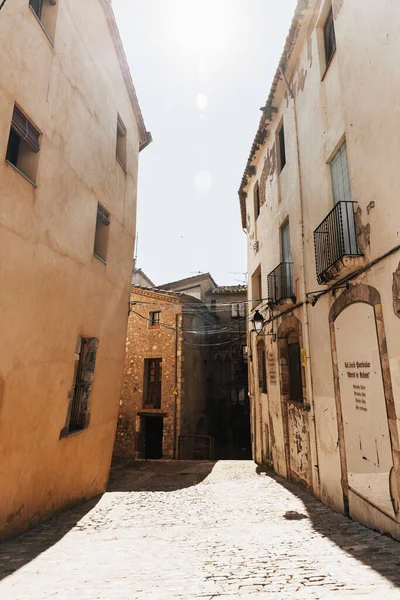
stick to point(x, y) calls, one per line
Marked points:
point(191, 531)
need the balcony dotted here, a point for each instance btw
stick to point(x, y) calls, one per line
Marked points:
point(280, 286)
point(335, 242)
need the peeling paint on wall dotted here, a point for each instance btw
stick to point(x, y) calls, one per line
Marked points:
point(396, 292)
point(263, 183)
point(363, 232)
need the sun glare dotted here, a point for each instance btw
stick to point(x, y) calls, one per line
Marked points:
point(202, 28)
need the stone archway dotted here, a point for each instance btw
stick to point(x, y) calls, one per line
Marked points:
point(294, 402)
point(366, 415)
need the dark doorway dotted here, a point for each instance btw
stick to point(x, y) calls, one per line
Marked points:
point(153, 437)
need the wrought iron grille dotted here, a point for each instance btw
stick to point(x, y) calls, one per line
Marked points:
point(335, 238)
point(280, 283)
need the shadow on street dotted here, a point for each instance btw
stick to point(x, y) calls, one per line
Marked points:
point(380, 552)
point(19, 551)
point(151, 476)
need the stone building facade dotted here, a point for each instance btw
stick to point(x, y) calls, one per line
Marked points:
point(318, 205)
point(163, 397)
point(70, 133)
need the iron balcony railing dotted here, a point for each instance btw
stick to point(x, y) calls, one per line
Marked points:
point(280, 283)
point(335, 238)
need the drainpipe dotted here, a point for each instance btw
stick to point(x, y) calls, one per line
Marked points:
point(176, 382)
point(306, 334)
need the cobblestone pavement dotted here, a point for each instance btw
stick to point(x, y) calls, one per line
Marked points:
point(191, 531)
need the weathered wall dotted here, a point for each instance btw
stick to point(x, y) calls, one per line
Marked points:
point(327, 108)
point(55, 289)
point(183, 389)
point(144, 341)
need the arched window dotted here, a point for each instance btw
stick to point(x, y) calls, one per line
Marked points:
point(261, 365)
point(294, 368)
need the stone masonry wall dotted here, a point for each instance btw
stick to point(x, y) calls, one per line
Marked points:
point(144, 341)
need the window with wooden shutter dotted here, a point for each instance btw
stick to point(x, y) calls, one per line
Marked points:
point(102, 233)
point(121, 143)
point(153, 382)
point(23, 145)
point(262, 367)
point(281, 148)
point(46, 13)
point(329, 38)
point(78, 415)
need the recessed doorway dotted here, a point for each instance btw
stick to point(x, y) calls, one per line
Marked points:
point(153, 437)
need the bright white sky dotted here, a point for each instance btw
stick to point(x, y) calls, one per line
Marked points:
point(202, 69)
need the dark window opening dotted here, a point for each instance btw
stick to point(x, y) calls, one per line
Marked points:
point(329, 38)
point(46, 12)
point(102, 233)
point(37, 6)
point(155, 318)
point(23, 145)
point(85, 362)
point(121, 143)
point(257, 205)
point(153, 379)
point(14, 143)
point(282, 148)
point(262, 369)
point(294, 365)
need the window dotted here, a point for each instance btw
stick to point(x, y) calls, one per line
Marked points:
point(294, 366)
point(121, 143)
point(245, 354)
point(102, 233)
point(256, 287)
point(285, 244)
point(23, 145)
point(329, 38)
point(155, 318)
point(256, 194)
point(213, 306)
point(85, 362)
point(238, 310)
point(261, 365)
point(340, 176)
point(153, 377)
point(282, 148)
point(46, 13)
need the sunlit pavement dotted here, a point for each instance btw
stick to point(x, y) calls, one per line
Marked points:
point(197, 530)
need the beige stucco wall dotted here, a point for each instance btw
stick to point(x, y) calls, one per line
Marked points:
point(53, 288)
point(353, 100)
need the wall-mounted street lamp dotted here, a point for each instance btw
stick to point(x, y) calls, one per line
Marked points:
point(258, 322)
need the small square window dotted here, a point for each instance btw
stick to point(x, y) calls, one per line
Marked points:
point(23, 145)
point(102, 233)
point(155, 318)
point(282, 148)
point(329, 38)
point(46, 13)
point(121, 143)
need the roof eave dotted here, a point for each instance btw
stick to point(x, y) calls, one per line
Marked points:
point(145, 137)
point(269, 109)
